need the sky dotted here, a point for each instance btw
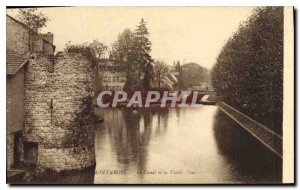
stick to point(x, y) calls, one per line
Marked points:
point(187, 34)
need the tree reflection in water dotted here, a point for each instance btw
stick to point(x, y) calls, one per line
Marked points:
point(203, 140)
point(245, 153)
point(130, 133)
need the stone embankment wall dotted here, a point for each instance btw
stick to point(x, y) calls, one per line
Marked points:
point(58, 111)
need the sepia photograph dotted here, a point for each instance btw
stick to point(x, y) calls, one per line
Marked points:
point(150, 95)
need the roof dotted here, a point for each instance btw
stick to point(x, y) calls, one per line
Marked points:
point(21, 23)
point(14, 62)
point(27, 27)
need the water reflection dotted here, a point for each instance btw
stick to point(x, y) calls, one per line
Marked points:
point(129, 132)
point(246, 155)
point(172, 145)
point(202, 145)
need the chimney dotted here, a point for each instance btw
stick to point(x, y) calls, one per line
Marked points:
point(48, 36)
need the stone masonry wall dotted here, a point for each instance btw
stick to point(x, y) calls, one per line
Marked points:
point(37, 108)
point(9, 150)
point(57, 115)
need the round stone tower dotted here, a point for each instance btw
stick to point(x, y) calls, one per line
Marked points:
point(58, 111)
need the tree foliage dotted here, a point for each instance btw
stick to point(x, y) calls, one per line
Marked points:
point(142, 49)
point(179, 70)
point(98, 48)
point(131, 52)
point(92, 51)
point(33, 18)
point(124, 58)
point(249, 69)
point(193, 74)
point(160, 70)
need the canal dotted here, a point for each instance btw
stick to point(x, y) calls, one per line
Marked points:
point(173, 145)
point(179, 145)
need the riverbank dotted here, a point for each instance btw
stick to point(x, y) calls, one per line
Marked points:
point(266, 136)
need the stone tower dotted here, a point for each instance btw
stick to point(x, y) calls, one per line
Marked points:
point(58, 121)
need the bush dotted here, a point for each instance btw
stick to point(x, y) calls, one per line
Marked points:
point(83, 49)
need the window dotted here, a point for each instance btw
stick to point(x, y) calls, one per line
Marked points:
point(30, 152)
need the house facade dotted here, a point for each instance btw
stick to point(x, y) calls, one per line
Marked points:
point(48, 103)
point(111, 79)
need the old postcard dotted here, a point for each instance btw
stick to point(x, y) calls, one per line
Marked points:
point(150, 95)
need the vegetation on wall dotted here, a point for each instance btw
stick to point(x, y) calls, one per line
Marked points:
point(93, 52)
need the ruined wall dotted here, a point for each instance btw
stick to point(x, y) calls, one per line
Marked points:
point(37, 109)
point(57, 111)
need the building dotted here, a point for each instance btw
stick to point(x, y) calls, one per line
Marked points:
point(21, 43)
point(111, 78)
point(168, 80)
point(48, 103)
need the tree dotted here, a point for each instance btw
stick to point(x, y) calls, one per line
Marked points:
point(193, 74)
point(179, 69)
point(131, 53)
point(142, 49)
point(33, 18)
point(249, 69)
point(98, 48)
point(124, 58)
point(160, 71)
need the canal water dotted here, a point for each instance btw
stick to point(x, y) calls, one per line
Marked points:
point(179, 145)
point(173, 145)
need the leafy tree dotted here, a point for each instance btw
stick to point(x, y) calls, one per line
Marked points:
point(98, 48)
point(249, 70)
point(179, 69)
point(193, 74)
point(131, 53)
point(33, 18)
point(124, 58)
point(160, 71)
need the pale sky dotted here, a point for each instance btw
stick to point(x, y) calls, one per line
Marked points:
point(188, 34)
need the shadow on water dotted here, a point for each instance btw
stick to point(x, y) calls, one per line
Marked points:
point(138, 126)
point(204, 140)
point(245, 153)
point(129, 133)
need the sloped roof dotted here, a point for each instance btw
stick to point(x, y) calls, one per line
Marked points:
point(27, 27)
point(21, 23)
point(14, 62)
